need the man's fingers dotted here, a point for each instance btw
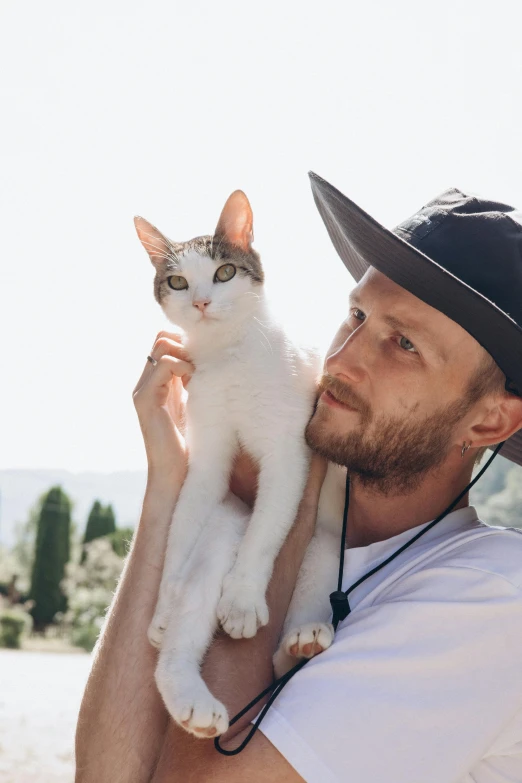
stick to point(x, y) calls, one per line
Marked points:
point(165, 344)
point(159, 380)
point(168, 366)
point(168, 345)
point(176, 336)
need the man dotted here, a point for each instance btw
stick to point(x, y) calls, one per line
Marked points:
point(422, 682)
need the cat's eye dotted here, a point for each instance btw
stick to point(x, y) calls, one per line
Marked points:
point(177, 282)
point(224, 273)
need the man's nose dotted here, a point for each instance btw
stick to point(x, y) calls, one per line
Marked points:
point(348, 362)
point(201, 304)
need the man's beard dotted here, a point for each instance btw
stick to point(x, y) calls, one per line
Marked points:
point(398, 453)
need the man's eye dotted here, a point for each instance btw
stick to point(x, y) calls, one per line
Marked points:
point(406, 345)
point(358, 314)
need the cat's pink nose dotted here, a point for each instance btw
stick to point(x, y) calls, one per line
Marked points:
point(201, 304)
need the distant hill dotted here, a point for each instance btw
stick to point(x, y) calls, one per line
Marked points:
point(20, 489)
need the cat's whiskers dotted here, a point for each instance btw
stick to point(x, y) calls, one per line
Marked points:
point(261, 332)
point(266, 326)
point(159, 253)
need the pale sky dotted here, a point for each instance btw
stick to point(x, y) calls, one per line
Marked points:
point(111, 109)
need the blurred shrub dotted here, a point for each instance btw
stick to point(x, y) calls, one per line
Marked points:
point(85, 636)
point(89, 588)
point(9, 567)
point(503, 507)
point(13, 624)
point(121, 540)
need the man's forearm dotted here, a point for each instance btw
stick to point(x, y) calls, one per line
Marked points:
point(123, 727)
point(122, 719)
point(237, 670)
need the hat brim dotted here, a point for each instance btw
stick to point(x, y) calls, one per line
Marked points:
point(361, 242)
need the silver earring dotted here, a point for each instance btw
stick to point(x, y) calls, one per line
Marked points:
point(465, 447)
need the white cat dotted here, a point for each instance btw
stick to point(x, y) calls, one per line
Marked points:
point(252, 389)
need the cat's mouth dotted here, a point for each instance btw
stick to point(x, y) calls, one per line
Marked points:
point(204, 316)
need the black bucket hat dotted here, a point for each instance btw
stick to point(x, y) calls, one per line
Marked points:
point(460, 253)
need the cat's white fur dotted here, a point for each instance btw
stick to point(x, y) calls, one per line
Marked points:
point(252, 388)
point(307, 619)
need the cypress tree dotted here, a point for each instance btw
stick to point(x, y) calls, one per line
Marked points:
point(110, 520)
point(100, 522)
point(52, 552)
point(95, 523)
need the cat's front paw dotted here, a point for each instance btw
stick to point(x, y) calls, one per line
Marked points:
point(191, 704)
point(305, 641)
point(202, 717)
point(242, 608)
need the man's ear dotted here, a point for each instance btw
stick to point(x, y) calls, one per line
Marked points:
point(157, 246)
point(501, 423)
point(235, 224)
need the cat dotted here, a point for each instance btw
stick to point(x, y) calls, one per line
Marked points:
point(252, 389)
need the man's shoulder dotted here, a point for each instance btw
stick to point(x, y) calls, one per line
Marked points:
point(474, 574)
point(494, 551)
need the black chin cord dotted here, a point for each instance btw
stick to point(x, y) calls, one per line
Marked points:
point(340, 607)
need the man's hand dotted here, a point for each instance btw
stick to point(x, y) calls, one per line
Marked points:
point(160, 399)
point(121, 729)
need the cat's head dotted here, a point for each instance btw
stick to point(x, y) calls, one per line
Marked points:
point(210, 282)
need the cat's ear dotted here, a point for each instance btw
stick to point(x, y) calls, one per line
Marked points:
point(235, 224)
point(156, 245)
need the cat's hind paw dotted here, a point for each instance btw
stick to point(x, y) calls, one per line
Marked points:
point(155, 632)
point(168, 594)
point(242, 609)
point(158, 625)
point(305, 641)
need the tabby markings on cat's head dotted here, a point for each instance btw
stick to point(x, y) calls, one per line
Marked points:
point(210, 279)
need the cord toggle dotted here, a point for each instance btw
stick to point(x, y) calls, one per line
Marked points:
point(340, 607)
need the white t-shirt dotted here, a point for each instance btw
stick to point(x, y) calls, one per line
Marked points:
point(423, 682)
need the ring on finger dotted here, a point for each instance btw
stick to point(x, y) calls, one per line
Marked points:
point(152, 360)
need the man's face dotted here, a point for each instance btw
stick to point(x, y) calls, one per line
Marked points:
point(394, 387)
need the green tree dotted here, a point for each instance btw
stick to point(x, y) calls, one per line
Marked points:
point(52, 552)
point(100, 522)
point(493, 480)
point(110, 519)
point(95, 523)
point(503, 508)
